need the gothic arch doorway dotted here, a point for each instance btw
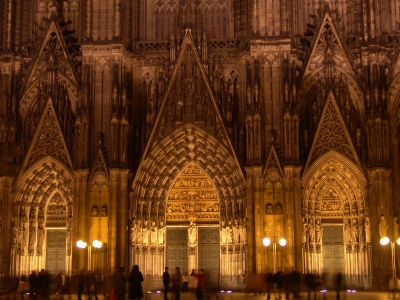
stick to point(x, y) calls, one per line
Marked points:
point(212, 198)
point(334, 193)
point(192, 218)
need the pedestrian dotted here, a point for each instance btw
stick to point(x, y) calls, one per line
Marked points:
point(119, 284)
point(338, 284)
point(166, 281)
point(176, 283)
point(81, 284)
point(244, 281)
point(135, 279)
point(33, 284)
point(200, 285)
point(90, 280)
point(22, 285)
point(185, 279)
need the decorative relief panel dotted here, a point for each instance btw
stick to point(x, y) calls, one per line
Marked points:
point(192, 194)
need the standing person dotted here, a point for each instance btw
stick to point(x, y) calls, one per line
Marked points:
point(338, 284)
point(200, 285)
point(33, 284)
point(176, 283)
point(166, 281)
point(244, 281)
point(135, 280)
point(81, 284)
point(90, 280)
point(119, 284)
point(185, 279)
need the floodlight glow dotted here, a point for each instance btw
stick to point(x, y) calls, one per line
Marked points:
point(81, 244)
point(266, 242)
point(282, 242)
point(97, 244)
point(384, 241)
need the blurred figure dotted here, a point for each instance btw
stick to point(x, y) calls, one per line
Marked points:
point(309, 281)
point(119, 284)
point(166, 278)
point(244, 280)
point(135, 280)
point(33, 284)
point(176, 283)
point(200, 285)
point(81, 284)
point(338, 284)
point(185, 279)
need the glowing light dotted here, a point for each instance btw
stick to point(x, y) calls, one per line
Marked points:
point(81, 244)
point(384, 241)
point(266, 242)
point(97, 244)
point(282, 242)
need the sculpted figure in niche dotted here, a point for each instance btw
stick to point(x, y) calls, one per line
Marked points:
point(268, 209)
point(355, 231)
point(383, 226)
point(161, 233)
point(146, 233)
point(223, 233)
point(192, 232)
point(311, 230)
point(95, 211)
point(104, 212)
point(347, 232)
point(243, 232)
point(367, 229)
point(153, 234)
point(236, 232)
point(229, 237)
point(318, 231)
point(41, 233)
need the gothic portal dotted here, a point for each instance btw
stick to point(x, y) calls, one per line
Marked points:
point(184, 132)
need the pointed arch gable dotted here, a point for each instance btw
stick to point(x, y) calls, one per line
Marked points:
point(49, 176)
point(324, 165)
point(327, 37)
point(189, 144)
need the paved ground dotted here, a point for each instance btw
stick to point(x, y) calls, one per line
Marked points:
point(330, 295)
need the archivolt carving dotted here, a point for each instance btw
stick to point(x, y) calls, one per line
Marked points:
point(46, 188)
point(186, 146)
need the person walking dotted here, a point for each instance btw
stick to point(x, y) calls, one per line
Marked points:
point(135, 279)
point(176, 283)
point(338, 284)
point(119, 284)
point(81, 284)
point(33, 284)
point(166, 278)
point(200, 285)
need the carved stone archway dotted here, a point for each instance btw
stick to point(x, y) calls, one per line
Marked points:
point(334, 190)
point(189, 145)
point(45, 187)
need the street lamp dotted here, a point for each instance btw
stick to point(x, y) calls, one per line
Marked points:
point(95, 244)
point(384, 241)
point(266, 242)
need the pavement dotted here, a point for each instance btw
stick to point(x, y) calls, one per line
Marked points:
point(226, 295)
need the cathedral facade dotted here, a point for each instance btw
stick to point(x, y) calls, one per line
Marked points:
point(184, 132)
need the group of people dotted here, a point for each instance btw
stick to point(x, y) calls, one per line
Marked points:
point(288, 283)
point(39, 284)
point(195, 281)
point(91, 281)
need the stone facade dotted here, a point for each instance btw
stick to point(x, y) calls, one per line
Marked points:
point(122, 120)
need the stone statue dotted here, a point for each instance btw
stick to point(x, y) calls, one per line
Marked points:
point(192, 232)
point(311, 230)
point(367, 229)
point(305, 232)
point(153, 234)
point(41, 233)
point(355, 231)
point(318, 231)
point(223, 234)
point(95, 211)
point(161, 233)
point(347, 232)
point(236, 232)
point(383, 226)
point(243, 232)
point(146, 233)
